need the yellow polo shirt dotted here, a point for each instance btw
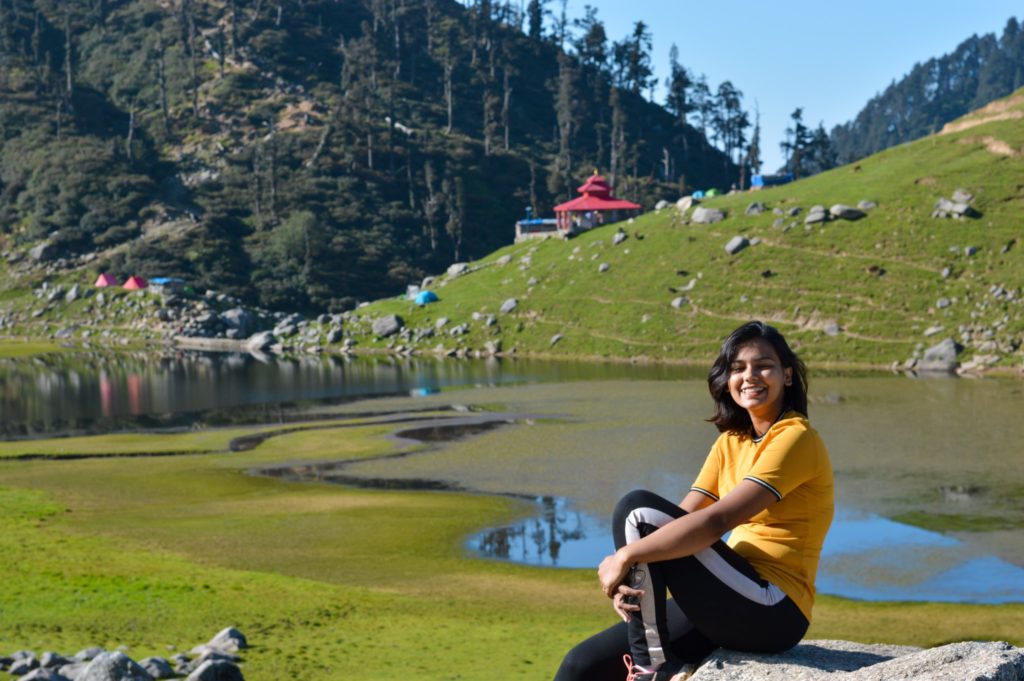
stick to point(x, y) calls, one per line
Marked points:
point(783, 542)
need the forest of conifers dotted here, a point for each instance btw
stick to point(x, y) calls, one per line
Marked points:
point(307, 155)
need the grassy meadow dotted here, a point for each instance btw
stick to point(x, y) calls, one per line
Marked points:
point(879, 278)
point(328, 582)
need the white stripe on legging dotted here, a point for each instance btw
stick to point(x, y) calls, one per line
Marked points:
point(648, 516)
point(712, 561)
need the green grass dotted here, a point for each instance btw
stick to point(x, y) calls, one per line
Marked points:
point(957, 522)
point(326, 581)
point(21, 348)
point(828, 272)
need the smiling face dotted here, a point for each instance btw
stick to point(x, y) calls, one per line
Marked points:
point(757, 382)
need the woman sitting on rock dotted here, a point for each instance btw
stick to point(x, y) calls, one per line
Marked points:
point(768, 480)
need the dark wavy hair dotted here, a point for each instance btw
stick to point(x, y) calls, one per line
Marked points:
point(729, 416)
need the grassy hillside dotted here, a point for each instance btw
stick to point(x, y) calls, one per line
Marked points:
point(847, 292)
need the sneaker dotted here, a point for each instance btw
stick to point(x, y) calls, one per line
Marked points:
point(635, 672)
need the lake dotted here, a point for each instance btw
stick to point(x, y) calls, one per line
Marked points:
point(929, 472)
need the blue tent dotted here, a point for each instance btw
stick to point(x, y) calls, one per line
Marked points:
point(424, 297)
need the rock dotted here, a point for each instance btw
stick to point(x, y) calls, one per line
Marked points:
point(66, 332)
point(554, 339)
point(970, 251)
point(961, 195)
point(44, 674)
point(940, 358)
point(865, 205)
point(260, 342)
point(74, 294)
point(793, 212)
point(73, 670)
point(619, 237)
point(736, 244)
point(755, 208)
point(603, 267)
point(679, 302)
point(946, 272)
point(817, 214)
point(216, 670)
point(241, 319)
point(846, 661)
point(508, 306)
point(88, 653)
point(44, 252)
point(458, 269)
point(707, 216)
point(943, 303)
point(684, 204)
point(492, 347)
point(158, 667)
point(387, 325)
point(844, 212)
point(115, 666)
point(932, 330)
point(503, 260)
point(831, 328)
point(778, 223)
point(662, 205)
point(24, 665)
point(51, 659)
point(440, 323)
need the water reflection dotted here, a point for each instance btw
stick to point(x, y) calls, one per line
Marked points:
point(865, 556)
point(100, 392)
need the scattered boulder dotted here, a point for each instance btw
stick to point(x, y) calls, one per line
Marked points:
point(736, 244)
point(832, 328)
point(844, 212)
point(229, 639)
point(387, 325)
point(603, 267)
point(679, 302)
point(932, 330)
point(940, 358)
point(260, 342)
point(115, 666)
point(816, 214)
point(440, 323)
point(755, 208)
point(661, 205)
point(944, 208)
point(503, 260)
point(457, 269)
point(685, 203)
point(44, 252)
point(554, 339)
point(793, 212)
point(216, 670)
point(241, 319)
point(508, 306)
point(707, 216)
point(157, 667)
point(839, 660)
point(961, 195)
point(492, 347)
point(619, 237)
point(866, 205)
point(74, 294)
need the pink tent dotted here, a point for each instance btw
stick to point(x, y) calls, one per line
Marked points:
point(134, 283)
point(106, 280)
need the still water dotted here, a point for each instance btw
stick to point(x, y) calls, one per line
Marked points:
point(929, 473)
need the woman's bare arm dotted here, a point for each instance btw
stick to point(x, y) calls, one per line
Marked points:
point(685, 536)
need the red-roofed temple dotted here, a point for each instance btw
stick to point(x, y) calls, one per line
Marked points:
point(594, 207)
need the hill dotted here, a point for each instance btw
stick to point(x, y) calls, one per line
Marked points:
point(304, 156)
point(981, 69)
point(869, 292)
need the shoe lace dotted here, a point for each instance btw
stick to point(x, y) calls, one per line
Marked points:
point(635, 672)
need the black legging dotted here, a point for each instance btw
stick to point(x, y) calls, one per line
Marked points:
point(719, 601)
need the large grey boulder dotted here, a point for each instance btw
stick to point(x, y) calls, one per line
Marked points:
point(387, 325)
point(241, 319)
point(707, 216)
point(816, 214)
point(941, 357)
point(736, 244)
point(845, 661)
point(509, 305)
point(229, 639)
point(115, 666)
point(216, 670)
point(844, 212)
point(457, 269)
point(756, 208)
point(158, 667)
point(44, 252)
point(260, 342)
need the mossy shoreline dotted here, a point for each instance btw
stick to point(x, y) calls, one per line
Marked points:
point(140, 552)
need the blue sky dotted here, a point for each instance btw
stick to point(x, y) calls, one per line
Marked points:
point(829, 57)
